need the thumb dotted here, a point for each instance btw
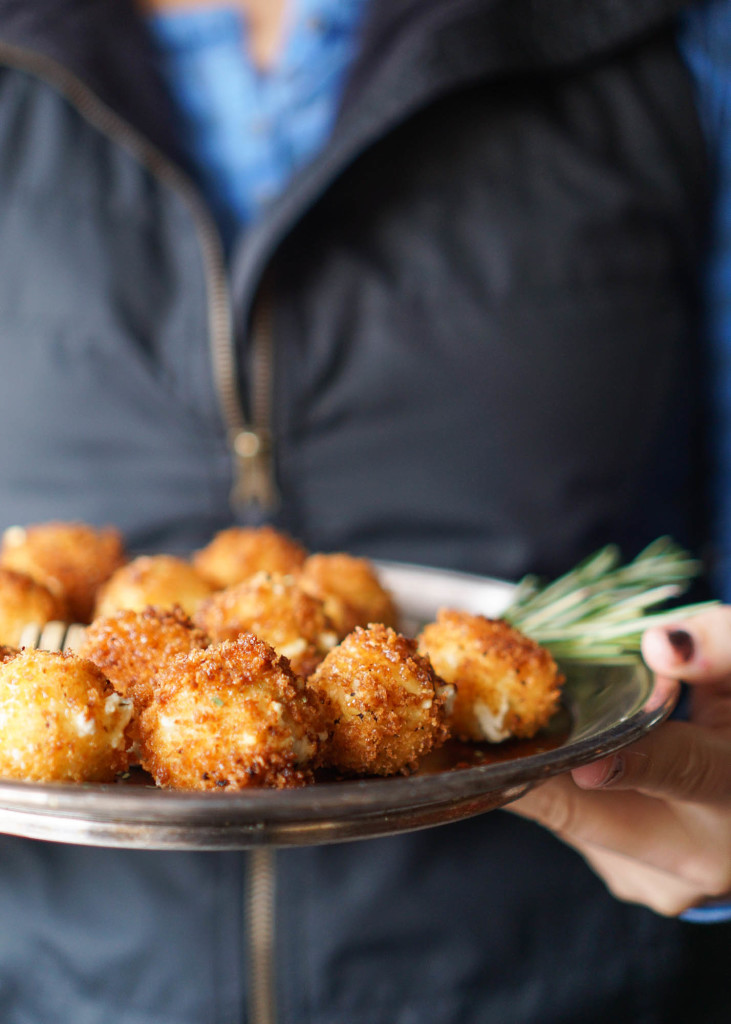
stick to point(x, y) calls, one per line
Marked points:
point(697, 650)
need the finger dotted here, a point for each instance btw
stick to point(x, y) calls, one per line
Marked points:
point(665, 693)
point(710, 703)
point(635, 882)
point(627, 822)
point(679, 761)
point(692, 846)
point(697, 650)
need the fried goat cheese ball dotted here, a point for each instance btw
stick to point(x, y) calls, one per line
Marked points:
point(131, 647)
point(506, 684)
point(60, 720)
point(276, 609)
point(383, 703)
point(240, 552)
point(24, 601)
point(350, 589)
point(71, 559)
point(160, 580)
point(229, 717)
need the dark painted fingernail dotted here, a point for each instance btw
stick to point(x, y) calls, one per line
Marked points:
point(682, 643)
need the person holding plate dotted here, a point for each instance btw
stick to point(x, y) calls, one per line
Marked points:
point(416, 280)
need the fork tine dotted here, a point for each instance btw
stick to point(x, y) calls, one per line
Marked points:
point(52, 636)
point(30, 636)
point(74, 636)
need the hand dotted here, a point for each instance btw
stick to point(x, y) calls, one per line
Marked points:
point(654, 820)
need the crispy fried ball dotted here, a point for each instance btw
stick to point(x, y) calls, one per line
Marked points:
point(383, 703)
point(507, 684)
point(131, 647)
point(160, 580)
point(60, 720)
point(240, 552)
point(277, 610)
point(350, 588)
point(228, 717)
point(24, 601)
point(71, 559)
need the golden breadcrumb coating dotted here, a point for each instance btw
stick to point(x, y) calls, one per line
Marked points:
point(240, 552)
point(277, 610)
point(226, 718)
point(383, 703)
point(60, 720)
point(7, 652)
point(160, 580)
point(507, 684)
point(71, 559)
point(350, 588)
point(131, 647)
point(24, 601)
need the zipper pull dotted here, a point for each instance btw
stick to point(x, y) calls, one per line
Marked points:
point(253, 471)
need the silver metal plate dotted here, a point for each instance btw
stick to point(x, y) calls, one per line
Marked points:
point(603, 712)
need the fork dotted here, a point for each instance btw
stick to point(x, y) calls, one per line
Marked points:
point(53, 636)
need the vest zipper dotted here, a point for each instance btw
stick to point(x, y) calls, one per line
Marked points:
point(259, 917)
point(250, 443)
point(254, 482)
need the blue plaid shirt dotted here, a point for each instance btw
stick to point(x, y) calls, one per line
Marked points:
point(247, 131)
point(706, 44)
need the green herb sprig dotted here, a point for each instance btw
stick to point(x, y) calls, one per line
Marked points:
point(599, 610)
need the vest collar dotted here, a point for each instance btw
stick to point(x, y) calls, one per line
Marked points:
point(411, 50)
